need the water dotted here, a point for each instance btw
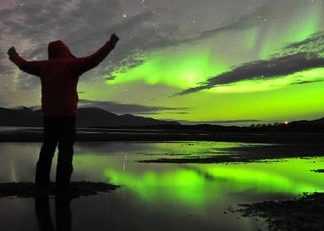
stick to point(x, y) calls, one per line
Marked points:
point(158, 196)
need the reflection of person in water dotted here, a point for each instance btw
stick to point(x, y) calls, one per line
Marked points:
point(63, 213)
point(59, 76)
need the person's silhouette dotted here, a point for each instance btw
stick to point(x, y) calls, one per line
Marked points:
point(59, 76)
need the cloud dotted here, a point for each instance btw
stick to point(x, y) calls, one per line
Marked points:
point(302, 82)
point(58, 20)
point(313, 44)
point(149, 37)
point(256, 17)
point(84, 25)
point(228, 122)
point(3, 101)
point(263, 69)
point(144, 33)
point(173, 37)
point(4, 68)
point(120, 108)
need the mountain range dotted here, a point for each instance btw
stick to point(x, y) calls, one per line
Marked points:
point(86, 117)
point(97, 117)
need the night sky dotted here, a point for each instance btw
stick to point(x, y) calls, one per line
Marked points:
point(224, 61)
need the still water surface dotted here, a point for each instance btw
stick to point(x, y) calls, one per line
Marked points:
point(157, 196)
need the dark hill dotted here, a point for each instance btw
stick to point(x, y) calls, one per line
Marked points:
point(87, 117)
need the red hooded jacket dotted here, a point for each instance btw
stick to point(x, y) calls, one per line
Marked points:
point(59, 76)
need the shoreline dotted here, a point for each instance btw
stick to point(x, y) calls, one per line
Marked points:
point(162, 135)
point(300, 213)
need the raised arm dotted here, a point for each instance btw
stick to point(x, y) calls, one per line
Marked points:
point(86, 63)
point(31, 67)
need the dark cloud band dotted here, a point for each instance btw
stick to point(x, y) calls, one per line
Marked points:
point(263, 70)
point(121, 108)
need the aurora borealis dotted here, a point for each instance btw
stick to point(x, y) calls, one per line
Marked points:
point(209, 61)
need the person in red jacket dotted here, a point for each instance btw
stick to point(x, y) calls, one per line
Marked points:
point(59, 77)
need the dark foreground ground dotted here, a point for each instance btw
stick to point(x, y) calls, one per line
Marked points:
point(304, 213)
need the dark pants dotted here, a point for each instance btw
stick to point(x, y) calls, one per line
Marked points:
point(58, 131)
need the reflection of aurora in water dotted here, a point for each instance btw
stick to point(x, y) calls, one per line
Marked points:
point(182, 185)
point(197, 184)
point(190, 184)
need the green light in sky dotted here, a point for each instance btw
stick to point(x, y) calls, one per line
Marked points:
point(296, 96)
point(307, 25)
point(179, 67)
point(297, 28)
point(250, 38)
point(187, 65)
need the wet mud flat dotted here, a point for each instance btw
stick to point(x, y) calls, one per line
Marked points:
point(303, 213)
point(252, 153)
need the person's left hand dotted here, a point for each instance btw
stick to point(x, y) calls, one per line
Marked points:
point(114, 39)
point(11, 51)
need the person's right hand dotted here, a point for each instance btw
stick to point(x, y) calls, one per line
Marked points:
point(114, 38)
point(11, 51)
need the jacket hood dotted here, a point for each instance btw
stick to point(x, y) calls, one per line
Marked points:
point(58, 49)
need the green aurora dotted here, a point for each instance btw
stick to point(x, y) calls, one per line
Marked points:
point(187, 65)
